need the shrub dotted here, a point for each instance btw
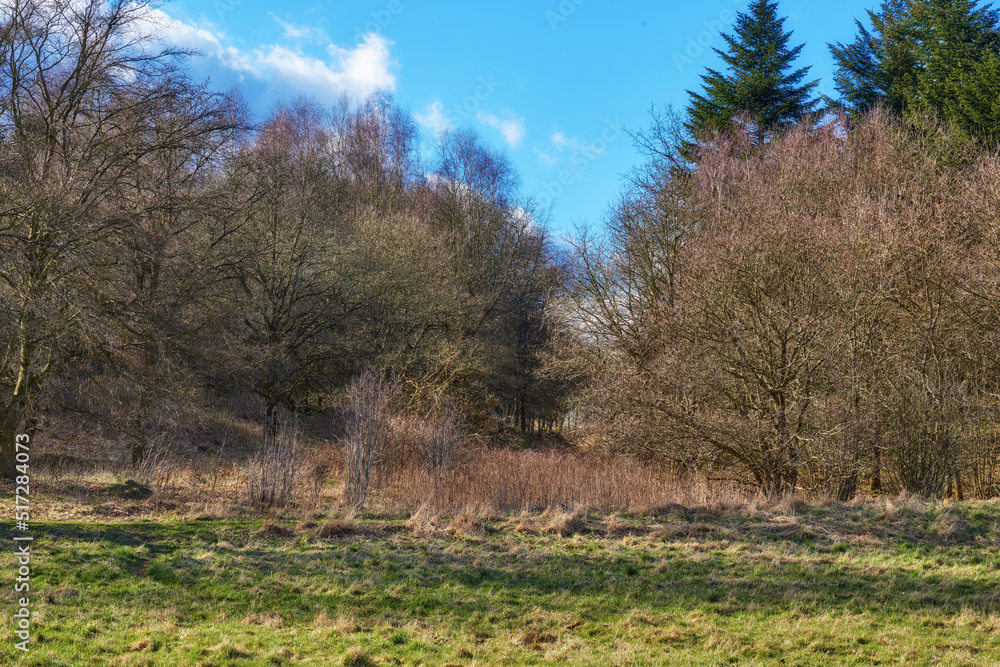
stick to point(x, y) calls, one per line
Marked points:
point(368, 451)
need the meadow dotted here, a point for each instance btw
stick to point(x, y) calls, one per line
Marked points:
point(123, 575)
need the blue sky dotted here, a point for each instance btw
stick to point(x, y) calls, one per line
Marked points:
point(555, 83)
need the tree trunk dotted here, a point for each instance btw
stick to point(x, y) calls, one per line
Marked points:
point(10, 421)
point(773, 485)
point(138, 447)
point(957, 480)
point(270, 423)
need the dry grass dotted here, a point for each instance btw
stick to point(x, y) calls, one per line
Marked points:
point(488, 484)
point(342, 625)
point(268, 620)
point(356, 657)
point(505, 481)
point(424, 521)
point(467, 522)
point(680, 530)
point(214, 476)
point(565, 523)
point(334, 526)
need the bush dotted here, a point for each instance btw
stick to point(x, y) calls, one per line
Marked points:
point(273, 470)
point(368, 452)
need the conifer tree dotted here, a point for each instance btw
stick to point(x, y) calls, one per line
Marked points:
point(879, 66)
point(938, 56)
point(759, 86)
point(953, 37)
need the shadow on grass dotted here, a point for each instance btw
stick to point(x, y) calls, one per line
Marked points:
point(206, 567)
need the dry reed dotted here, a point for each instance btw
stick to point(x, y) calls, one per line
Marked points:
point(505, 481)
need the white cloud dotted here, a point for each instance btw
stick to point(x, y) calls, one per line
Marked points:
point(369, 65)
point(169, 29)
point(511, 127)
point(360, 71)
point(527, 220)
point(434, 119)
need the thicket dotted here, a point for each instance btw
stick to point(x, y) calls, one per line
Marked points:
point(818, 313)
point(161, 248)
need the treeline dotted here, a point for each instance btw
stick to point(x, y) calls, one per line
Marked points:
point(808, 301)
point(800, 294)
point(156, 242)
point(819, 315)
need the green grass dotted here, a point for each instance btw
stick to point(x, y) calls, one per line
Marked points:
point(914, 583)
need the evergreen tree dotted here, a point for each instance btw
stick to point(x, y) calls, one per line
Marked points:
point(879, 66)
point(976, 107)
point(938, 56)
point(759, 86)
point(955, 38)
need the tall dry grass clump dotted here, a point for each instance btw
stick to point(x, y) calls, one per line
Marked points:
point(431, 439)
point(500, 480)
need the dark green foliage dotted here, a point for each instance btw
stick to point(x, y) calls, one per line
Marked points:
point(977, 103)
point(760, 85)
point(925, 56)
point(951, 37)
point(878, 67)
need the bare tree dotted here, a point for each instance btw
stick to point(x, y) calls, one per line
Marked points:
point(286, 294)
point(88, 100)
point(834, 321)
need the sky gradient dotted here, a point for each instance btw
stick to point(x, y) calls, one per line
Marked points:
point(558, 84)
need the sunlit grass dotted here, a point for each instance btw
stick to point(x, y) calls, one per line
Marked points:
point(907, 582)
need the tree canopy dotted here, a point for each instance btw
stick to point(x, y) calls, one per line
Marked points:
point(925, 56)
point(760, 86)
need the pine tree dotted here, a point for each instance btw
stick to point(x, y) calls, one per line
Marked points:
point(954, 37)
point(758, 87)
point(976, 107)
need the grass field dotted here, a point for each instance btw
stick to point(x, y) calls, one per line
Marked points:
point(881, 582)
